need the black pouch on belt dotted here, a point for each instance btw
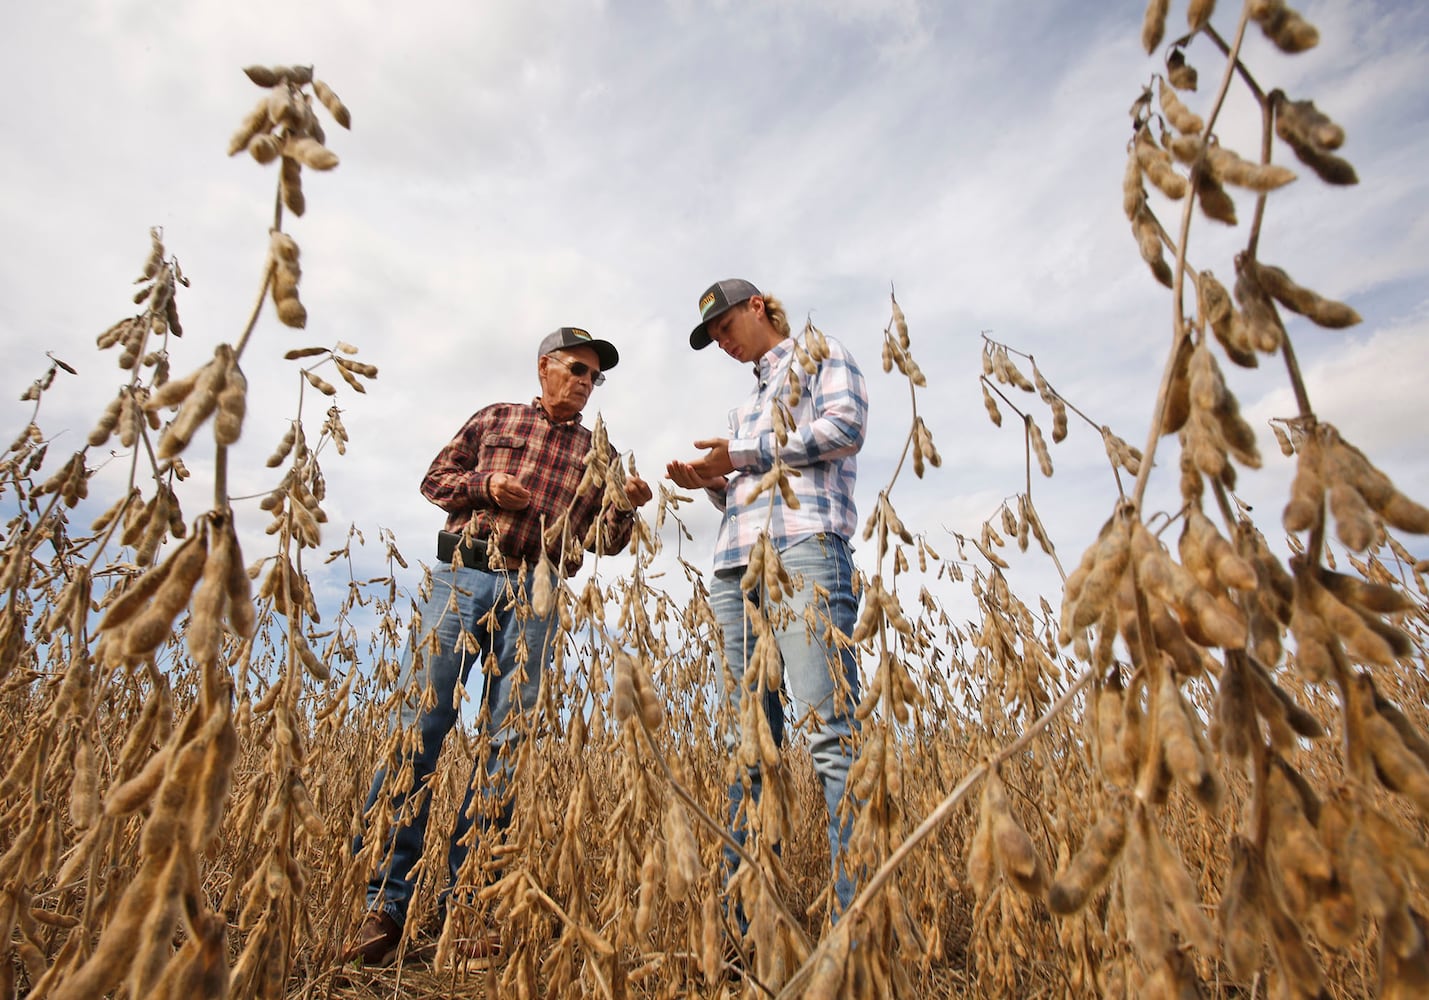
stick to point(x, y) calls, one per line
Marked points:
point(473, 554)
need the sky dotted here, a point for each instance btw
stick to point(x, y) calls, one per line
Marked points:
point(515, 167)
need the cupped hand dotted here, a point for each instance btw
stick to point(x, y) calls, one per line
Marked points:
point(683, 474)
point(716, 461)
point(508, 492)
point(637, 490)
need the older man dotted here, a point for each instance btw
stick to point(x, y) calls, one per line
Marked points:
point(511, 472)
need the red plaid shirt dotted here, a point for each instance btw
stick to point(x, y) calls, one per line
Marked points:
point(546, 457)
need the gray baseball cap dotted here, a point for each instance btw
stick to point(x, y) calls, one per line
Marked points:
point(574, 336)
point(718, 299)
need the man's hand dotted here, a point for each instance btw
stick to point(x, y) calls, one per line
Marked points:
point(508, 492)
point(637, 490)
point(684, 475)
point(707, 472)
point(716, 461)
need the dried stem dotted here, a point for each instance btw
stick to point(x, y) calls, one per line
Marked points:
point(1153, 437)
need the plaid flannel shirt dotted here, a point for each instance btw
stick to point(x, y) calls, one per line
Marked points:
point(823, 446)
point(546, 457)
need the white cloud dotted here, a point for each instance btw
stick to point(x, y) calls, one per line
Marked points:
point(1370, 389)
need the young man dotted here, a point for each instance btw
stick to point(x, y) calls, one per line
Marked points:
point(510, 469)
point(820, 674)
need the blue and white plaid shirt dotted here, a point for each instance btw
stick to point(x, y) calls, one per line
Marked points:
point(823, 447)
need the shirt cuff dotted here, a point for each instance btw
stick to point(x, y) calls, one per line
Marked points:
point(479, 490)
point(745, 454)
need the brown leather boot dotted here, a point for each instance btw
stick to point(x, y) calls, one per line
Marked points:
point(376, 941)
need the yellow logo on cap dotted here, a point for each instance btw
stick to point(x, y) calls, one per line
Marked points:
point(706, 302)
point(579, 334)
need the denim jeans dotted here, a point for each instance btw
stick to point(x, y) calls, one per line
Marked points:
point(460, 599)
point(815, 673)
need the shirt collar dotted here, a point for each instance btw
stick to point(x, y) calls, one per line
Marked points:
point(771, 359)
point(540, 408)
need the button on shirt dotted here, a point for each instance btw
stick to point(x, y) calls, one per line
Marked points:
point(823, 447)
point(545, 456)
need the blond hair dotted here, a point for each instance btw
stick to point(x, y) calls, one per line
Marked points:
point(774, 309)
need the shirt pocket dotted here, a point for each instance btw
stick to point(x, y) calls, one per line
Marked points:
point(503, 453)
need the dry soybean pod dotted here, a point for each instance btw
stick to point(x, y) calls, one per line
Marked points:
point(1318, 309)
point(1091, 866)
point(1118, 735)
point(84, 805)
point(1198, 13)
point(649, 881)
point(310, 153)
point(1153, 26)
point(1263, 328)
point(1242, 921)
point(1230, 168)
point(826, 980)
point(107, 421)
point(1265, 691)
point(1178, 744)
point(198, 405)
point(1297, 963)
point(1401, 770)
point(155, 624)
point(157, 931)
point(1016, 855)
point(168, 819)
point(1215, 203)
point(128, 603)
point(1220, 315)
point(205, 626)
point(335, 107)
point(1284, 26)
point(981, 864)
point(213, 781)
point(1156, 163)
point(303, 804)
point(1350, 627)
point(1305, 867)
point(1307, 490)
point(1181, 117)
point(173, 392)
point(1235, 716)
point(107, 964)
point(315, 667)
point(1181, 893)
point(1362, 595)
point(1141, 891)
point(623, 699)
point(232, 402)
point(200, 969)
point(652, 710)
point(1354, 523)
point(1098, 586)
point(138, 790)
point(683, 860)
point(1408, 732)
point(241, 615)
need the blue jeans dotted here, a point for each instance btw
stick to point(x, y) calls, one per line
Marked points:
point(461, 598)
point(820, 679)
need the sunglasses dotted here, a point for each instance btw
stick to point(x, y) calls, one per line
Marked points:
point(579, 369)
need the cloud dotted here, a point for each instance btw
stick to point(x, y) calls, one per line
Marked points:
point(1369, 389)
point(513, 168)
